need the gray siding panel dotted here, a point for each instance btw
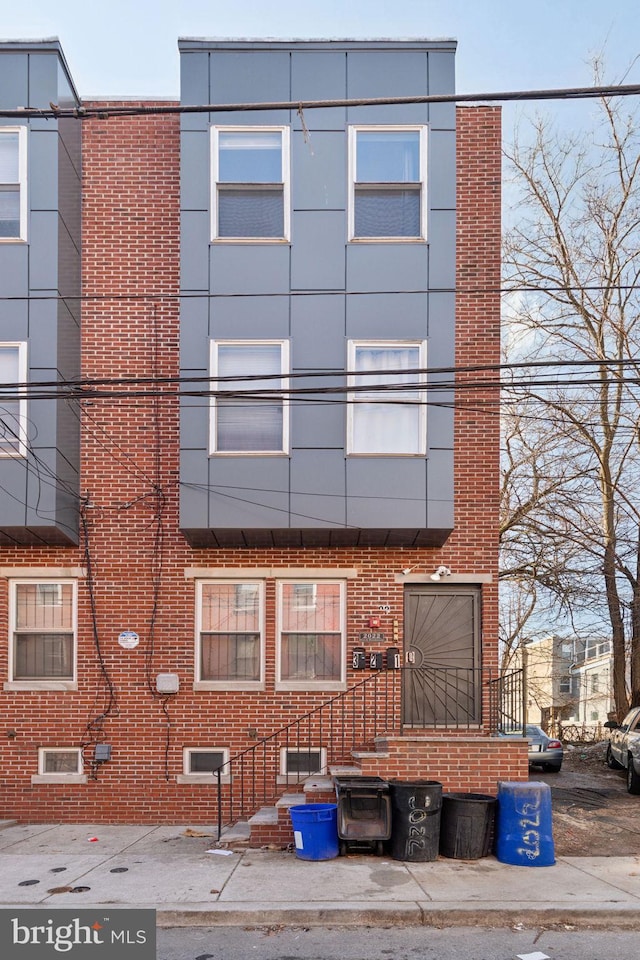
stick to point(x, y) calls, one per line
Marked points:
point(441, 184)
point(194, 494)
point(14, 318)
point(387, 267)
point(319, 76)
point(43, 79)
point(194, 339)
point(249, 268)
point(317, 255)
point(311, 315)
point(43, 169)
point(387, 315)
point(441, 83)
point(194, 171)
point(382, 73)
point(249, 318)
point(194, 89)
point(14, 83)
point(320, 167)
point(194, 250)
point(318, 489)
point(249, 492)
point(43, 243)
point(442, 259)
point(318, 424)
point(386, 492)
point(255, 76)
point(195, 420)
point(440, 490)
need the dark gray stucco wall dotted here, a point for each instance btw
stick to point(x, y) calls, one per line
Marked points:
point(42, 503)
point(319, 291)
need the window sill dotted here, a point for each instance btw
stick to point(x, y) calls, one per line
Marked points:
point(243, 241)
point(421, 240)
point(322, 686)
point(249, 453)
point(60, 778)
point(39, 685)
point(229, 686)
point(205, 779)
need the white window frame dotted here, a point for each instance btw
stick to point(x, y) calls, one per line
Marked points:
point(308, 684)
point(287, 776)
point(44, 776)
point(21, 130)
point(281, 383)
point(189, 776)
point(45, 683)
point(362, 395)
point(199, 683)
point(21, 347)
point(353, 183)
point(286, 182)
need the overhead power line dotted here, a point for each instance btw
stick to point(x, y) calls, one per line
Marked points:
point(98, 112)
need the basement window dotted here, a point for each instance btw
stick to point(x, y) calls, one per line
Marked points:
point(200, 765)
point(297, 763)
point(60, 765)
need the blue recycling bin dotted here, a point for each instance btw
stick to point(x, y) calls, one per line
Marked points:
point(524, 831)
point(315, 830)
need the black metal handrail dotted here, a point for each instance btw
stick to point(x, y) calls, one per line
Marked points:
point(351, 719)
point(455, 697)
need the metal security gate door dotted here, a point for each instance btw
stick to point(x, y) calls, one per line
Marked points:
point(441, 680)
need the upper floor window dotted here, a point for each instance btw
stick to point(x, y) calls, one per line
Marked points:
point(43, 630)
point(386, 414)
point(13, 189)
point(249, 414)
point(13, 370)
point(387, 183)
point(230, 634)
point(250, 183)
point(311, 635)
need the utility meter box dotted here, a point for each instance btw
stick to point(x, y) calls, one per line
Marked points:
point(167, 683)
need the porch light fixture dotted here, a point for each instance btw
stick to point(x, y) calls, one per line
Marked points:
point(440, 573)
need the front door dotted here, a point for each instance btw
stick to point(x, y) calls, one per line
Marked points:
point(441, 679)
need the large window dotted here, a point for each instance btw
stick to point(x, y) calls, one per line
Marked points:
point(250, 183)
point(386, 411)
point(230, 634)
point(43, 627)
point(388, 173)
point(13, 188)
point(13, 370)
point(311, 635)
point(249, 413)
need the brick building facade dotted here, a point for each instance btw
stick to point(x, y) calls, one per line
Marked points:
point(141, 705)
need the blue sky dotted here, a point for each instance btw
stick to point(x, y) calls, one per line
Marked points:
point(129, 47)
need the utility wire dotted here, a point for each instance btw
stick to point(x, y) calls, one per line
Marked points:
point(105, 112)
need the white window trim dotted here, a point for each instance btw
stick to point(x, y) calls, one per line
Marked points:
point(292, 777)
point(353, 139)
point(21, 347)
point(353, 397)
point(282, 384)
point(286, 182)
point(21, 130)
point(42, 684)
point(199, 683)
point(328, 685)
point(43, 777)
point(202, 778)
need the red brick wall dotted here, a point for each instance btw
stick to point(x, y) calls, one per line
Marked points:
point(130, 479)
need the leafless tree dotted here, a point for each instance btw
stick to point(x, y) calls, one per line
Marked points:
point(571, 483)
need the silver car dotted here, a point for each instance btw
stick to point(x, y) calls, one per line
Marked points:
point(623, 749)
point(544, 751)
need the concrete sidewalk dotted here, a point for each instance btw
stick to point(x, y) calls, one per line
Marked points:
point(181, 873)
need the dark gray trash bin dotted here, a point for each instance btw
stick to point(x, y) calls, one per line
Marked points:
point(415, 819)
point(467, 825)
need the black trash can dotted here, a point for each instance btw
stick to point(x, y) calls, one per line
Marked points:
point(467, 825)
point(415, 819)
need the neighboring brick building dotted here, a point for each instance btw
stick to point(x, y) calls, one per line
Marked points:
point(176, 594)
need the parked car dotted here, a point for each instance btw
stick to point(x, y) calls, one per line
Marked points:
point(623, 749)
point(544, 751)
